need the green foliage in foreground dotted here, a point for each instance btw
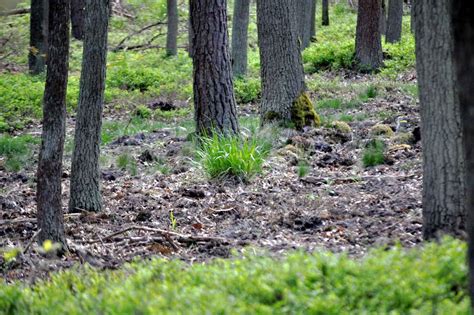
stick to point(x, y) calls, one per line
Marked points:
point(427, 280)
point(374, 153)
point(232, 156)
point(16, 150)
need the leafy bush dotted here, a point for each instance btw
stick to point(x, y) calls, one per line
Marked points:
point(247, 90)
point(16, 150)
point(374, 153)
point(232, 157)
point(428, 280)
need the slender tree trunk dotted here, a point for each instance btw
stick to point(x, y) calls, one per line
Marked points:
point(394, 22)
point(282, 74)
point(85, 173)
point(325, 19)
point(48, 194)
point(443, 159)
point(214, 101)
point(412, 16)
point(38, 36)
point(172, 35)
point(190, 33)
point(240, 26)
point(77, 18)
point(312, 35)
point(303, 17)
point(463, 25)
point(368, 44)
point(383, 19)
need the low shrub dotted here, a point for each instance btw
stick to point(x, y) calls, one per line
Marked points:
point(247, 90)
point(374, 153)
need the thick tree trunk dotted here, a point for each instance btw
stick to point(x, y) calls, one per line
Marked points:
point(38, 36)
point(304, 20)
point(394, 21)
point(77, 18)
point(85, 173)
point(214, 101)
point(48, 194)
point(443, 160)
point(172, 34)
point(368, 44)
point(282, 74)
point(325, 18)
point(383, 18)
point(240, 26)
point(463, 25)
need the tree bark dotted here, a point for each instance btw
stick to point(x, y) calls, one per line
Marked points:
point(85, 173)
point(240, 26)
point(303, 17)
point(214, 100)
point(312, 35)
point(190, 33)
point(443, 159)
point(48, 194)
point(463, 28)
point(394, 21)
point(38, 36)
point(325, 17)
point(368, 44)
point(172, 34)
point(383, 18)
point(77, 18)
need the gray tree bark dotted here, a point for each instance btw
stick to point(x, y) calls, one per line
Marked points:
point(172, 34)
point(368, 43)
point(214, 100)
point(383, 19)
point(190, 33)
point(394, 21)
point(443, 159)
point(77, 18)
point(463, 29)
point(312, 35)
point(48, 190)
point(85, 173)
point(38, 36)
point(325, 17)
point(240, 26)
point(303, 17)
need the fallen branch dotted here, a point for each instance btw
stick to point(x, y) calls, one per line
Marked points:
point(33, 220)
point(15, 12)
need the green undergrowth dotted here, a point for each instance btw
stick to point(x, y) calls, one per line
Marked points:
point(427, 280)
point(17, 151)
point(374, 153)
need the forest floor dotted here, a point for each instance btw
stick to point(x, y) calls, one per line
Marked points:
point(159, 203)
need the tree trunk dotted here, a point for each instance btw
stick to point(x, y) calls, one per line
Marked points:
point(412, 16)
point(85, 173)
point(394, 21)
point(283, 87)
point(240, 26)
point(48, 194)
point(190, 33)
point(38, 36)
point(172, 34)
point(443, 160)
point(463, 29)
point(312, 35)
point(303, 17)
point(368, 44)
point(383, 19)
point(77, 18)
point(214, 101)
point(325, 19)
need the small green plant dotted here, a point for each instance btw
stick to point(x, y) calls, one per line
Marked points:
point(227, 156)
point(247, 90)
point(333, 103)
point(374, 153)
point(303, 169)
point(173, 221)
point(143, 112)
point(16, 150)
point(126, 162)
point(369, 93)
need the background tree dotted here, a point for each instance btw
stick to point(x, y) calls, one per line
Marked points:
point(214, 100)
point(312, 35)
point(240, 26)
point(38, 36)
point(463, 28)
point(48, 193)
point(383, 18)
point(394, 21)
point(304, 19)
point(190, 32)
point(368, 44)
point(85, 173)
point(77, 18)
point(443, 160)
point(325, 17)
point(172, 34)
point(283, 86)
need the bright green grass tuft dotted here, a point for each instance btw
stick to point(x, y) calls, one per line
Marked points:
point(16, 151)
point(374, 153)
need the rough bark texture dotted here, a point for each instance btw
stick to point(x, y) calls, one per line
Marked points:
point(172, 34)
point(394, 21)
point(304, 20)
point(280, 58)
point(48, 194)
point(463, 25)
point(77, 18)
point(38, 36)
point(85, 173)
point(190, 33)
point(443, 160)
point(368, 44)
point(325, 17)
point(214, 101)
point(240, 26)
point(383, 18)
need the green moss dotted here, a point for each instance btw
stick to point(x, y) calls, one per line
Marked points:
point(381, 130)
point(403, 138)
point(341, 126)
point(303, 113)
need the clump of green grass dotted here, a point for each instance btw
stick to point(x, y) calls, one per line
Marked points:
point(127, 162)
point(303, 168)
point(330, 103)
point(229, 156)
point(16, 151)
point(369, 93)
point(374, 153)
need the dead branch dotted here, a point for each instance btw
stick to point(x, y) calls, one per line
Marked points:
point(126, 38)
